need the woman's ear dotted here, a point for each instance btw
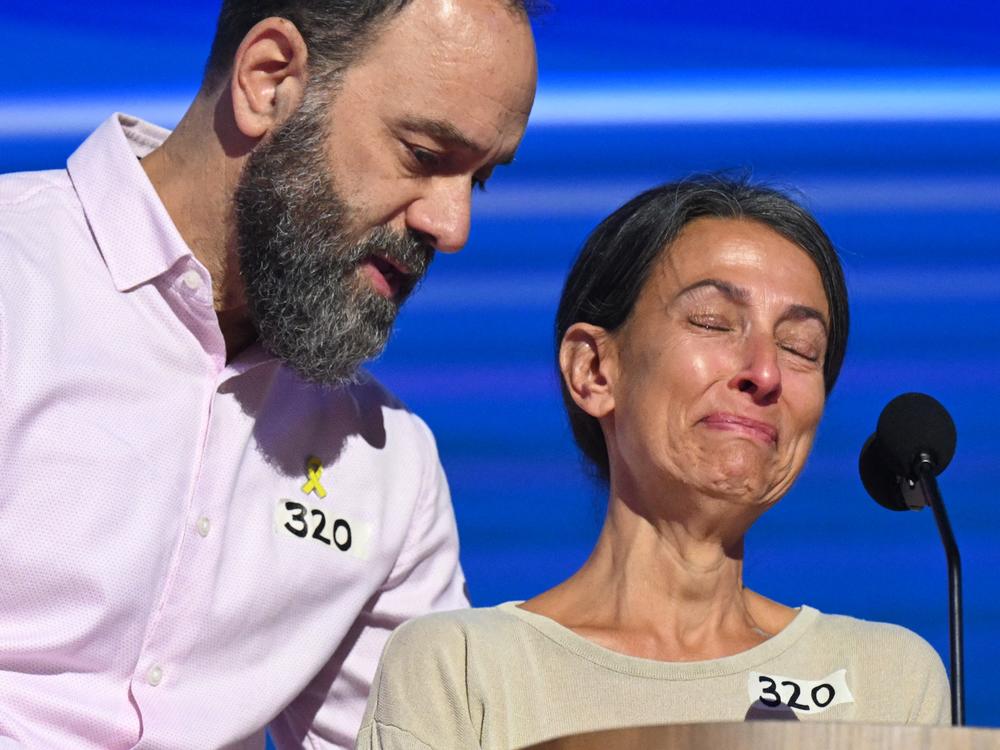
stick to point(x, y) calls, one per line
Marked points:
point(588, 360)
point(268, 77)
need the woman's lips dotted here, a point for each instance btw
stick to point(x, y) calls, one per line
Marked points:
point(760, 431)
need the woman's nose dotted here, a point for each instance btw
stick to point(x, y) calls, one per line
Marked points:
point(760, 373)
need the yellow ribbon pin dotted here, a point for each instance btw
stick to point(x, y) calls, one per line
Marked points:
point(315, 469)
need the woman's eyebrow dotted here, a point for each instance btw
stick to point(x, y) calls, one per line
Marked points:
point(741, 296)
point(804, 312)
point(734, 293)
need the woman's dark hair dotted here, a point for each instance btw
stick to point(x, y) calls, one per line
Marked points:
point(615, 262)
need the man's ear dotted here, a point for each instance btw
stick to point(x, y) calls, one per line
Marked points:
point(269, 76)
point(588, 359)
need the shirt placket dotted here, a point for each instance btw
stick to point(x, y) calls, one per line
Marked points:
point(191, 292)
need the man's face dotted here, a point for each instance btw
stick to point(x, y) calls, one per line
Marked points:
point(338, 213)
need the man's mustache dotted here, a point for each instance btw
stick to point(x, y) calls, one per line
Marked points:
point(408, 253)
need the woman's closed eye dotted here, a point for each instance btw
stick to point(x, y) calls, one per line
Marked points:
point(803, 339)
point(711, 322)
point(805, 350)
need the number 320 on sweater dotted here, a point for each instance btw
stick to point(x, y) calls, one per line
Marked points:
point(805, 696)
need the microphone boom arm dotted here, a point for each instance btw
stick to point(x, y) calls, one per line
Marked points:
point(925, 472)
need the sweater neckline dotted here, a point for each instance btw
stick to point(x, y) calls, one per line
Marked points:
point(667, 670)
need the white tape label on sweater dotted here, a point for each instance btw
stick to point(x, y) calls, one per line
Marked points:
point(804, 696)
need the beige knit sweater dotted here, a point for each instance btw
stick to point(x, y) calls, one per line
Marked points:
point(504, 678)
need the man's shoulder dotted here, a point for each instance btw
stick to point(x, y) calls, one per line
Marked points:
point(40, 217)
point(375, 411)
point(370, 393)
point(371, 396)
point(38, 212)
point(365, 392)
point(23, 191)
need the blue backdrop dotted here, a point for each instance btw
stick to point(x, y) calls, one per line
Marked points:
point(886, 115)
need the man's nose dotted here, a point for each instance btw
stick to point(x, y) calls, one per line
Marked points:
point(441, 216)
point(760, 371)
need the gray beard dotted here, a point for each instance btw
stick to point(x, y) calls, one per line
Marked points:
point(310, 302)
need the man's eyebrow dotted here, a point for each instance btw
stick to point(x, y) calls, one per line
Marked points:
point(741, 296)
point(447, 134)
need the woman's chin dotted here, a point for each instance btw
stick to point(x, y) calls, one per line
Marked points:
point(740, 472)
point(737, 471)
point(741, 490)
point(743, 456)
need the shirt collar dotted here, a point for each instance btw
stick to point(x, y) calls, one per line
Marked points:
point(135, 234)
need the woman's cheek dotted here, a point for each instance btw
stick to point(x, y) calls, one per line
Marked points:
point(708, 364)
point(807, 394)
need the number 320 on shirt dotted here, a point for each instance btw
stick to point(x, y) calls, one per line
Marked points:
point(321, 526)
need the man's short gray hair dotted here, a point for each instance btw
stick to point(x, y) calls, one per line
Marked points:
point(336, 32)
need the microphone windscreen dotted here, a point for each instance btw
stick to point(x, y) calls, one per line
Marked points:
point(879, 480)
point(915, 423)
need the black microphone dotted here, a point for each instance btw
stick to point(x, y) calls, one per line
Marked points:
point(912, 428)
point(915, 425)
point(913, 443)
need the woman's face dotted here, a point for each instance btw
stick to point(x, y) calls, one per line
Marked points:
point(718, 373)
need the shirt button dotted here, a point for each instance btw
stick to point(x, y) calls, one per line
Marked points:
point(154, 676)
point(203, 526)
point(192, 280)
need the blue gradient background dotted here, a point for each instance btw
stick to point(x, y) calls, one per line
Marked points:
point(886, 115)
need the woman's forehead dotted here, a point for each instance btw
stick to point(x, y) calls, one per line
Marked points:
point(742, 255)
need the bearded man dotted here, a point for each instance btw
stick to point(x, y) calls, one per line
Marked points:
point(212, 519)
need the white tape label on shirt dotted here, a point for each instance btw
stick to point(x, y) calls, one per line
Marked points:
point(805, 696)
point(333, 530)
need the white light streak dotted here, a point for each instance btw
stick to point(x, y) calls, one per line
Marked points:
point(595, 198)
point(827, 96)
point(540, 291)
point(835, 98)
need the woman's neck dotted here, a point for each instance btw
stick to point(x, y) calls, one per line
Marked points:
point(667, 588)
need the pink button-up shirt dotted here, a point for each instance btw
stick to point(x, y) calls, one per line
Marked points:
point(190, 549)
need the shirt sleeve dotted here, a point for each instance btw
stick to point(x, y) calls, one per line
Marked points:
point(934, 705)
point(426, 577)
point(421, 697)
